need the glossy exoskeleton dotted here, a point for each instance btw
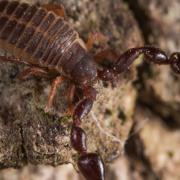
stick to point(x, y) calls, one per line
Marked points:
point(39, 37)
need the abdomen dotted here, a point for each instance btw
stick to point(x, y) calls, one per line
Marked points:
point(39, 37)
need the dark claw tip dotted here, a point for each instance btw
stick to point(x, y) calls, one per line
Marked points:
point(91, 166)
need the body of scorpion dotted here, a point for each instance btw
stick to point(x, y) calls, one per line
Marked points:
point(40, 37)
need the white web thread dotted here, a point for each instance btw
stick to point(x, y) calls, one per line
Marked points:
point(114, 138)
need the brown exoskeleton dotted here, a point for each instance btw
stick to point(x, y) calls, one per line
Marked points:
point(40, 37)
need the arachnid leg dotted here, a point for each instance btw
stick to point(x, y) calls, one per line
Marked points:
point(95, 37)
point(53, 91)
point(151, 55)
point(11, 59)
point(70, 97)
point(33, 71)
point(57, 9)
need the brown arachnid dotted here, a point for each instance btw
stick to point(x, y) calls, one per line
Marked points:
point(40, 37)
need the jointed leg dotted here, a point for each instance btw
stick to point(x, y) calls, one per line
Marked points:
point(36, 71)
point(70, 97)
point(57, 9)
point(32, 71)
point(95, 37)
point(53, 91)
point(10, 59)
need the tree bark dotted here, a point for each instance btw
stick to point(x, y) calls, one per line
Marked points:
point(29, 135)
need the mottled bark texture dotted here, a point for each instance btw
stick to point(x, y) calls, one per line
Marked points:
point(152, 151)
point(159, 22)
point(29, 135)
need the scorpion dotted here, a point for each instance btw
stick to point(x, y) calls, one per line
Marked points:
point(40, 37)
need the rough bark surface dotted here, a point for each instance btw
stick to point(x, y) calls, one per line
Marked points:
point(28, 135)
point(159, 22)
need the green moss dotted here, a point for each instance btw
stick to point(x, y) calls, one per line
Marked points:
point(65, 120)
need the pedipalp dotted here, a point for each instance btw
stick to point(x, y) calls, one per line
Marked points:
point(151, 55)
